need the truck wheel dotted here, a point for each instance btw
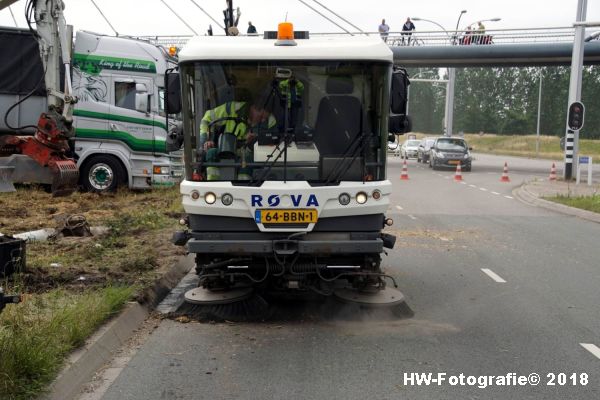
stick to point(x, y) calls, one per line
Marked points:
point(102, 174)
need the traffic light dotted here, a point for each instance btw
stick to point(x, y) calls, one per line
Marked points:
point(575, 119)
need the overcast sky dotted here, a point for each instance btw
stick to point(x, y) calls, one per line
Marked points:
point(152, 17)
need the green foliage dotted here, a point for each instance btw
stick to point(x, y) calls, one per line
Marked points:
point(590, 203)
point(505, 101)
point(37, 334)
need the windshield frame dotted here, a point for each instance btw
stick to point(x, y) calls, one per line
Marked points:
point(371, 153)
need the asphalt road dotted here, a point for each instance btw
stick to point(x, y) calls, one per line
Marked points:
point(496, 287)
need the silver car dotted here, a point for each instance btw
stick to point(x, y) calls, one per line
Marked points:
point(410, 148)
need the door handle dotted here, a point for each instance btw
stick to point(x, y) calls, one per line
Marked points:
point(113, 127)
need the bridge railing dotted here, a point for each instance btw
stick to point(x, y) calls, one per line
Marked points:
point(434, 38)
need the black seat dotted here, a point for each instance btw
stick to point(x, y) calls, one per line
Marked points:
point(338, 118)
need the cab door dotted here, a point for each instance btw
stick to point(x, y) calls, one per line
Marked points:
point(131, 120)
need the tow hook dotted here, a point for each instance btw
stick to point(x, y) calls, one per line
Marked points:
point(285, 247)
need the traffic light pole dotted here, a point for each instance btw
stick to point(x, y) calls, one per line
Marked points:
point(572, 136)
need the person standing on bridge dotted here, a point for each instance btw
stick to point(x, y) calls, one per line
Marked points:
point(251, 29)
point(407, 29)
point(481, 33)
point(384, 30)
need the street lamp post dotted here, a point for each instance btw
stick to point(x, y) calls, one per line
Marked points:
point(449, 109)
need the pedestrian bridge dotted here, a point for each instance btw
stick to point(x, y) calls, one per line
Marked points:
point(500, 47)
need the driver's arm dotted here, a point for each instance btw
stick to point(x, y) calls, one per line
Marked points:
point(203, 139)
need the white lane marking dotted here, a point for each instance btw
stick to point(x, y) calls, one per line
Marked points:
point(509, 197)
point(473, 186)
point(493, 275)
point(592, 348)
point(483, 189)
point(399, 208)
point(447, 177)
point(412, 217)
point(496, 193)
point(463, 183)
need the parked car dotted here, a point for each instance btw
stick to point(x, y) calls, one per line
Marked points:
point(410, 148)
point(423, 149)
point(449, 152)
point(393, 147)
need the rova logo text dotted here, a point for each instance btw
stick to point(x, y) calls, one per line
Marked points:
point(298, 200)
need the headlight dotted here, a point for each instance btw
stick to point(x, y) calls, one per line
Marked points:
point(467, 156)
point(158, 170)
point(210, 198)
point(227, 199)
point(361, 197)
point(344, 199)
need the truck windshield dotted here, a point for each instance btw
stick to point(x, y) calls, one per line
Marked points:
point(248, 122)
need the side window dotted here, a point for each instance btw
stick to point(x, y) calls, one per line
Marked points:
point(161, 102)
point(125, 95)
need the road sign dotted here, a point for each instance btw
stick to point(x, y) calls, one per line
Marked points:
point(584, 160)
point(575, 119)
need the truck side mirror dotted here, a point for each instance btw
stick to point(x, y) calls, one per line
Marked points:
point(399, 91)
point(172, 92)
point(391, 138)
point(399, 124)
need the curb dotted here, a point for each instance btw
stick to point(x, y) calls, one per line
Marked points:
point(527, 197)
point(100, 347)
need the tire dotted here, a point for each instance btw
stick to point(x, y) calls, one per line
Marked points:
point(103, 173)
point(468, 169)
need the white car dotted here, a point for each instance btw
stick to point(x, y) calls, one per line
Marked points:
point(393, 147)
point(410, 148)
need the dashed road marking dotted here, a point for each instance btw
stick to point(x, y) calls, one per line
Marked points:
point(412, 217)
point(496, 193)
point(463, 183)
point(483, 189)
point(509, 197)
point(592, 348)
point(399, 208)
point(447, 177)
point(493, 275)
point(473, 186)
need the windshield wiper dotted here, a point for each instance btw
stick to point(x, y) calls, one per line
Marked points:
point(340, 167)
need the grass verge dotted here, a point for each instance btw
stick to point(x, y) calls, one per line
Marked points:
point(589, 203)
point(73, 284)
point(38, 333)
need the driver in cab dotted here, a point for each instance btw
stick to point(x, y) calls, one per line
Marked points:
point(230, 130)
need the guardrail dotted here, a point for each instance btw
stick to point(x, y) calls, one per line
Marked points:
point(436, 38)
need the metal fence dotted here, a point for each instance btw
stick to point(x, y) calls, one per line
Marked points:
point(435, 38)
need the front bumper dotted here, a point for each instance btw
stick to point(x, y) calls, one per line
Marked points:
point(452, 163)
point(285, 247)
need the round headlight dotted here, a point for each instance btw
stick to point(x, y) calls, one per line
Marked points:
point(344, 199)
point(361, 197)
point(227, 199)
point(195, 195)
point(376, 194)
point(210, 198)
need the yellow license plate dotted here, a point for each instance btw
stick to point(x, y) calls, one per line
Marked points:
point(286, 216)
point(454, 162)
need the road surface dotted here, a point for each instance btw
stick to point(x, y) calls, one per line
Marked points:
point(497, 287)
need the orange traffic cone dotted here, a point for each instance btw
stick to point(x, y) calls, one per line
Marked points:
point(552, 176)
point(505, 177)
point(404, 174)
point(458, 174)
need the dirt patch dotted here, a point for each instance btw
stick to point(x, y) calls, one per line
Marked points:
point(135, 250)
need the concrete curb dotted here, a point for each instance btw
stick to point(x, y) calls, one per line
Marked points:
point(100, 347)
point(527, 197)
